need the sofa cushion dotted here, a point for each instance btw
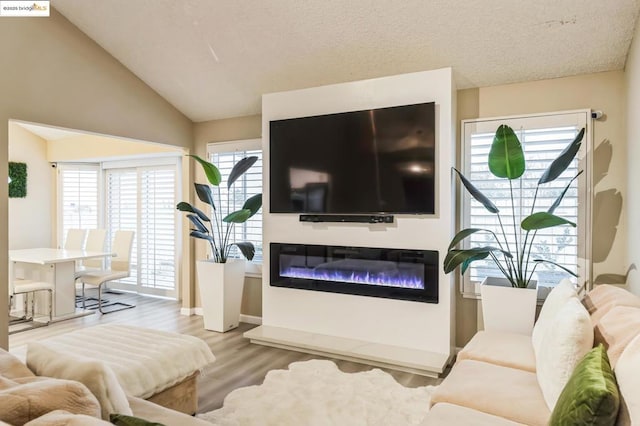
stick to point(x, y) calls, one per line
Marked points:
point(453, 415)
point(604, 297)
point(629, 383)
point(616, 329)
point(24, 399)
point(563, 346)
point(94, 374)
point(487, 387)
point(62, 417)
point(11, 367)
point(501, 348)
point(555, 300)
point(591, 394)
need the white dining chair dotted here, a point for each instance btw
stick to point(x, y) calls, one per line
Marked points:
point(28, 287)
point(96, 239)
point(120, 268)
point(75, 239)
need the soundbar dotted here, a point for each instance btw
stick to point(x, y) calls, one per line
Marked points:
point(351, 218)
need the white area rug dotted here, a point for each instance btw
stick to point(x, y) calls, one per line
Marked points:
point(317, 393)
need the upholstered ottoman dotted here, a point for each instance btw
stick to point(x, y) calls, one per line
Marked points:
point(156, 365)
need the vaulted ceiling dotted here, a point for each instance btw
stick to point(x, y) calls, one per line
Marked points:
point(214, 59)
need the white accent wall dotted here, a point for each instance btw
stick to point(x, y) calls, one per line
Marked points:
point(415, 325)
point(632, 207)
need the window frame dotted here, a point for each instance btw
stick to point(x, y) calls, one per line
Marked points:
point(61, 168)
point(471, 289)
point(252, 268)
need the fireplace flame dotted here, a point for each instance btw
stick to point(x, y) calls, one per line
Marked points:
point(397, 280)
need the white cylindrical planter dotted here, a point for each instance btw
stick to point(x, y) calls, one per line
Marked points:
point(221, 286)
point(506, 308)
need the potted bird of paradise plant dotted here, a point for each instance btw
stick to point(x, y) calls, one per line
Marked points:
point(509, 301)
point(221, 277)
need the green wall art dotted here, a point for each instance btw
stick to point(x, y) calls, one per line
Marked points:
point(18, 184)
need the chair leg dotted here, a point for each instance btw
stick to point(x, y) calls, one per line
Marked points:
point(33, 305)
point(50, 306)
point(84, 299)
point(26, 305)
point(124, 305)
point(100, 298)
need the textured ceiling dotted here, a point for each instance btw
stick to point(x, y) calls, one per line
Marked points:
point(214, 59)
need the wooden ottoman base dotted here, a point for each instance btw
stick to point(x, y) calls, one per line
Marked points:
point(181, 397)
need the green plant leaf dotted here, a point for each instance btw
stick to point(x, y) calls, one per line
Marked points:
point(561, 163)
point(467, 263)
point(200, 235)
point(557, 265)
point(475, 193)
point(186, 207)
point(465, 233)
point(506, 159)
point(542, 220)
point(195, 220)
point(240, 168)
point(558, 200)
point(253, 203)
point(457, 257)
point(239, 216)
point(204, 194)
point(210, 170)
point(248, 250)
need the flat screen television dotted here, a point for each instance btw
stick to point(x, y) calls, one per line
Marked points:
point(360, 162)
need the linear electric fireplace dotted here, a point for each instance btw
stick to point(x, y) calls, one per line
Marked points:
point(378, 272)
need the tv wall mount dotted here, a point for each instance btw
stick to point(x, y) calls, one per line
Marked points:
point(347, 218)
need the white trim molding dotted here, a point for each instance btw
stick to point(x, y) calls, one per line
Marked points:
point(249, 319)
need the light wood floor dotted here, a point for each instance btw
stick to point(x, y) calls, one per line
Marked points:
point(238, 362)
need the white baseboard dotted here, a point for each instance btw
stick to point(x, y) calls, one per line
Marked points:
point(250, 319)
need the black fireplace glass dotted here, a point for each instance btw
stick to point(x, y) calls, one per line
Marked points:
point(378, 272)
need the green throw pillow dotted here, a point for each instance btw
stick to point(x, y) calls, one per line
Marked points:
point(591, 395)
point(124, 420)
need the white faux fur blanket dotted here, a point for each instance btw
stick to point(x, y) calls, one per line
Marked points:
point(317, 393)
point(145, 361)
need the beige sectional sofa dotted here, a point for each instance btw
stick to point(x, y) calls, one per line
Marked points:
point(39, 401)
point(497, 378)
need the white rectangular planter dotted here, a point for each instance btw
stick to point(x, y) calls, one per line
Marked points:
point(221, 286)
point(505, 308)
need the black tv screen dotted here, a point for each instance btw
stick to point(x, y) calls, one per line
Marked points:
point(373, 161)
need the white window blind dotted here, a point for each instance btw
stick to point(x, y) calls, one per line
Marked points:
point(157, 228)
point(225, 156)
point(78, 202)
point(122, 211)
point(143, 199)
point(543, 139)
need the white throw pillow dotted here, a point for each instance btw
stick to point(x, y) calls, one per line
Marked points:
point(628, 377)
point(94, 374)
point(565, 343)
point(555, 300)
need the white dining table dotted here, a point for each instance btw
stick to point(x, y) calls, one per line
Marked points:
point(56, 266)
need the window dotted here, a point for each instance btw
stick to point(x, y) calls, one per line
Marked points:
point(543, 138)
point(225, 155)
point(78, 198)
point(142, 198)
